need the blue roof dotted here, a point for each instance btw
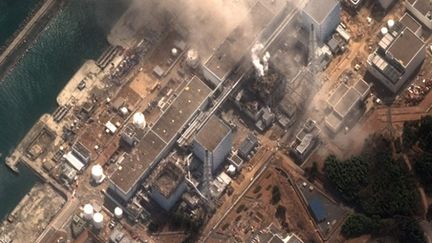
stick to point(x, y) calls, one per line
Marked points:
point(317, 208)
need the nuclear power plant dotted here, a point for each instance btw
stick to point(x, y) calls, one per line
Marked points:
point(203, 119)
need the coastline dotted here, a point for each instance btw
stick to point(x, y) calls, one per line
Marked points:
point(28, 32)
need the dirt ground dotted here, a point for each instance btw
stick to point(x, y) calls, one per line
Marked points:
point(256, 211)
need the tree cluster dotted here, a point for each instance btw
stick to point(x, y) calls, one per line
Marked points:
point(380, 188)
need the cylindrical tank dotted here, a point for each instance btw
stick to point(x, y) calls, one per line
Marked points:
point(98, 220)
point(88, 211)
point(390, 23)
point(174, 52)
point(384, 30)
point(118, 212)
point(97, 173)
point(139, 120)
point(192, 58)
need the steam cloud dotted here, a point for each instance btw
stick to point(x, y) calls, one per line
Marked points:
point(260, 64)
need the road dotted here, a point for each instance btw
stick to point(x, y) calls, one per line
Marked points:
point(27, 28)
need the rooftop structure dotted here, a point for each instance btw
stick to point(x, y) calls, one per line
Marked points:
point(247, 146)
point(181, 110)
point(399, 54)
point(306, 140)
point(422, 10)
point(408, 21)
point(323, 15)
point(344, 102)
point(215, 137)
point(167, 183)
point(158, 140)
point(223, 61)
point(273, 235)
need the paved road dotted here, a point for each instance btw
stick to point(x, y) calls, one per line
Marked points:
point(23, 34)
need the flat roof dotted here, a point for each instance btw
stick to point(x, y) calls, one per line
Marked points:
point(238, 42)
point(134, 165)
point(337, 95)
point(212, 133)
point(408, 21)
point(168, 178)
point(406, 46)
point(347, 102)
point(362, 87)
point(182, 108)
point(153, 143)
point(333, 122)
point(319, 9)
point(423, 6)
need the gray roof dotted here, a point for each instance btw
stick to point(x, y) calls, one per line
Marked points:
point(155, 141)
point(408, 21)
point(405, 47)
point(189, 100)
point(348, 101)
point(337, 95)
point(319, 9)
point(212, 133)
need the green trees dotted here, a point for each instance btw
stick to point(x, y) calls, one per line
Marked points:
point(348, 177)
point(358, 224)
point(425, 133)
point(423, 169)
point(379, 187)
point(418, 131)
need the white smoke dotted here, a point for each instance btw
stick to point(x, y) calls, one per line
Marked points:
point(265, 60)
point(260, 64)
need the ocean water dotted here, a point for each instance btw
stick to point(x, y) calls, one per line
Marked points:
point(76, 33)
point(12, 15)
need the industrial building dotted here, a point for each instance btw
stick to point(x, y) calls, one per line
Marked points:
point(158, 140)
point(271, 234)
point(399, 54)
point(306, 140)
point(225, 59)
point(344, 103)
point(215, 137)
point(323, 15)
point(167, 183)
point(422, 10)
point(408, 21)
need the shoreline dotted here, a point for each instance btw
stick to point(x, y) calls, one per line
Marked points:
point(27, 34)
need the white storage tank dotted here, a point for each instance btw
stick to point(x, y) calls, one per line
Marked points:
point(88, 211)
point(118, 212)
point(192, 58)
point(390, 23)
point(98, 220)
point(384, 30)
point(139, 121)
point(97, 173)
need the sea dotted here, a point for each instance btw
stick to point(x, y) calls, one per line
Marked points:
point(76, 33)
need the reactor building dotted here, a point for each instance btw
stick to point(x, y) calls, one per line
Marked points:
point(323, 15)
point(215, 137)
point(167, 183)
point(158, 140)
